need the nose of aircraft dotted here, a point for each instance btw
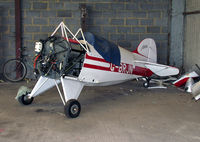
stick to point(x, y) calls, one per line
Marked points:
point(53, 58)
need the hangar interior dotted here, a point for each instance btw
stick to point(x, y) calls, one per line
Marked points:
point(125, 112)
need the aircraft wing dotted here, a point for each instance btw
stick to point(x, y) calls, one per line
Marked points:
point(159, 69)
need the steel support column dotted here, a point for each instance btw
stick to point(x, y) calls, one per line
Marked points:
point(18, 27)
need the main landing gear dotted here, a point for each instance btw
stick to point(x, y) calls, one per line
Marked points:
point(72, 108)
point(71, 90)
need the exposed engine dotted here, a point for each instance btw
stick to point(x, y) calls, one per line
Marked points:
point(56, 57)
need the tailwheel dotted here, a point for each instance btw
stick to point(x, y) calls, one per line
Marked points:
point(72, 108)
point(146, 84)
point(25, 100)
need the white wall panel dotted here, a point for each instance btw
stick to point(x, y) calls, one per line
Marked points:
point(192, 35)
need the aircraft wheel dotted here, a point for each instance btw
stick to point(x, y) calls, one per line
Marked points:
point(72, 108)
point(24, 100)
point(146, 84)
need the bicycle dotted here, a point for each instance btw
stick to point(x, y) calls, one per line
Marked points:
point(15, 70)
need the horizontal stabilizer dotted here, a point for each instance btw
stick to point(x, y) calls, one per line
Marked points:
point(160, 70)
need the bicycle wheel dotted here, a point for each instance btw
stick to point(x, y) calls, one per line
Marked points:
point(14, 70)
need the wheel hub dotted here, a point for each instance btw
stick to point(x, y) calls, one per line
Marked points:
point(74, 109)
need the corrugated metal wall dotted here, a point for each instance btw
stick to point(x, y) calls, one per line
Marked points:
point(192, 35)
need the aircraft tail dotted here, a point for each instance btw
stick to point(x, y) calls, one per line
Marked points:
point(147, 49)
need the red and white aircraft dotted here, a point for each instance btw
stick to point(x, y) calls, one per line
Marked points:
point(89, 61)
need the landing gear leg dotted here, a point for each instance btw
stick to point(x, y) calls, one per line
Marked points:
point(71, 89)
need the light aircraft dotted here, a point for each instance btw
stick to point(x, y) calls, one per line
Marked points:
point(89, 60)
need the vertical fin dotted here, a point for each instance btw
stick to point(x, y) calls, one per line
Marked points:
point(147, 48)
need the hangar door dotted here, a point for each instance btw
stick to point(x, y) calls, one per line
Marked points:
point(192, 34)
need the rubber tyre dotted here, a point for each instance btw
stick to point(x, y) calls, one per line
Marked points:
point(72, 108)
point(24, 100)
point(146, 84)
point(10, 70)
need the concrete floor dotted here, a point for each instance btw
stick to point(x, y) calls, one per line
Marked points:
point(125, 112)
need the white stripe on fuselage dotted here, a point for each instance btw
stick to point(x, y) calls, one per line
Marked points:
point(97, 63)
